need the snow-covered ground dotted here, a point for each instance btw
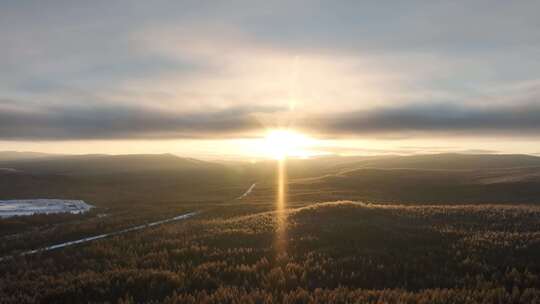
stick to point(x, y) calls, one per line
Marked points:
point(10, 208)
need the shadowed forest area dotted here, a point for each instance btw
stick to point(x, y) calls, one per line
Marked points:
point(247, 251)
point(341, 252)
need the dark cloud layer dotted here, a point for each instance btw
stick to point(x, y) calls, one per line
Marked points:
point(70, 122)
point(515, 120)
point(106, 121)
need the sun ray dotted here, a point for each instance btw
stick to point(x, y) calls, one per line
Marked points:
point(281, 202)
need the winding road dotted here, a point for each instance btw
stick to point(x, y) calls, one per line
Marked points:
point(105, 235)
point(248, 191)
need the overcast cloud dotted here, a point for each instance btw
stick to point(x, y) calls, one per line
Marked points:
point(223, 69)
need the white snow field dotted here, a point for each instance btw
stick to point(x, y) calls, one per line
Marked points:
point(9, 208)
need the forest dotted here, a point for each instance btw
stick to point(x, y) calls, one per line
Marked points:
point(308, 248)
point(341, 252)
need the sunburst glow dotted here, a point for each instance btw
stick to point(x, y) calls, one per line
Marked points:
point(283, 143)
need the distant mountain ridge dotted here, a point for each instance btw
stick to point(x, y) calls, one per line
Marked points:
point(451, 161)
point(105, 164)
point(23, 155)
point(419, 178)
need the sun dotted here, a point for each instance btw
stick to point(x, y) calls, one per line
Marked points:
point(283, 143)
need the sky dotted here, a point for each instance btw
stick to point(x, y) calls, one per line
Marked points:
point(210, 79)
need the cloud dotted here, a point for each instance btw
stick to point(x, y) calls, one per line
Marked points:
point(129, 121)
point(417, 119)
point(125, 121)
point(98, 44)
point(215, 61)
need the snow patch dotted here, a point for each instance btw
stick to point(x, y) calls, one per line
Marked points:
point(9, 208)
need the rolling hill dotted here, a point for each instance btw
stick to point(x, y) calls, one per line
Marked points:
point(456, 178)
